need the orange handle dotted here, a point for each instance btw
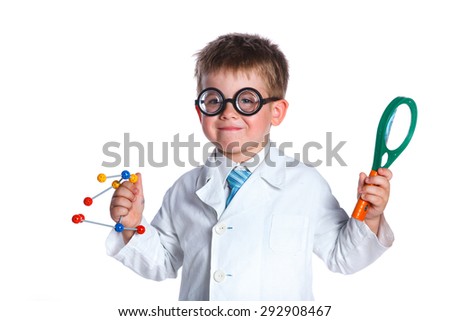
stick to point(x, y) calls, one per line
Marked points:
point(362, 207)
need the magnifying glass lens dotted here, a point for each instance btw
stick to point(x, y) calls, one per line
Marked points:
point(398, 127)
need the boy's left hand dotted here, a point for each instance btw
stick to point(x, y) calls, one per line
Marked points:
point(375, 190)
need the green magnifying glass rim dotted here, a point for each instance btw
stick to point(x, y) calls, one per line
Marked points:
point(382, 132)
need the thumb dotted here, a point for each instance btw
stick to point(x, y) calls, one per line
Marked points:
point(138, 202)
point(138, 186)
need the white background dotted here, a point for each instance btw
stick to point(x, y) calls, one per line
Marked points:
point(75, 75)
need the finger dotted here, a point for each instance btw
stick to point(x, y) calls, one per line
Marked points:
point(118, 211)
point(130, 186)
point(121, 202)
point(362, 177)
point(126, 190)
point(379, 181)
point(375, 201)
point(373, 190)
point(385, 172)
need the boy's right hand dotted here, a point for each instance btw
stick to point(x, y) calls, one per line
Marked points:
point(128, 202)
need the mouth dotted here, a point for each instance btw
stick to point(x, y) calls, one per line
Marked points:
point(230, 128)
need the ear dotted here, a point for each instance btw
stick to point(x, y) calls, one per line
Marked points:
point(199, 113)
point(279, 110)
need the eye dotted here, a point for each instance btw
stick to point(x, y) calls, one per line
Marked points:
point(247, 101)
point(212, 101)
point(211, 98)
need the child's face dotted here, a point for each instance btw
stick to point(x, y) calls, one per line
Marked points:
point(240, 137)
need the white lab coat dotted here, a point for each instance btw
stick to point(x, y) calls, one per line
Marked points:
point(260, 247)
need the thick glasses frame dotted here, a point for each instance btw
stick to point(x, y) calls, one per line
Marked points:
point(262, 101)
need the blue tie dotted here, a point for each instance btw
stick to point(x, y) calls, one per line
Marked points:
point(236, 179)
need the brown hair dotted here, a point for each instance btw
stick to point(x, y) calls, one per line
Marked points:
point(243, 52)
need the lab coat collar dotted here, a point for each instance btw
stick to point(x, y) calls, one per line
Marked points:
point(210, 186)
point(210, 183)
point(273, 168)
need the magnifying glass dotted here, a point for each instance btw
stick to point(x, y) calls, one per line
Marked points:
point(382, 152)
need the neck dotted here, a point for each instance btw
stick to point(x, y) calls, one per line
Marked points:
point(241, 156)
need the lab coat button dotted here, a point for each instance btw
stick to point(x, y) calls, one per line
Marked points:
point(219, 276)
point(220, 229)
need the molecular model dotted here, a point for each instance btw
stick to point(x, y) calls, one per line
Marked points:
point(125, 175)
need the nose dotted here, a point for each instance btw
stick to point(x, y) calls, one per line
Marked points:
point(229, 111)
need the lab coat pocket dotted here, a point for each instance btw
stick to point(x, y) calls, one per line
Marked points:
point(288, 233)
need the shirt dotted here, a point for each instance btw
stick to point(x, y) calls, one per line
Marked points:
point(226, 165)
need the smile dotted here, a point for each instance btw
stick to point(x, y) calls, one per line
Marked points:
point(230, 128)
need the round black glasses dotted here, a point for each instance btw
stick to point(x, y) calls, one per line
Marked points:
point(247, 101)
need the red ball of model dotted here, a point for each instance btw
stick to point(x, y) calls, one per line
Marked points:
point(76, 218)
point(88, 201)
point(140, 229)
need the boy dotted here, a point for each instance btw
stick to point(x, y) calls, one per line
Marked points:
point(252, 240)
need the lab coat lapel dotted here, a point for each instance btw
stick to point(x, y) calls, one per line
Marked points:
point(210, 190)
point(273, 168)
